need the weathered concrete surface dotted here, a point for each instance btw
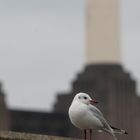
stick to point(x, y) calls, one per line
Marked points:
point(8, 135)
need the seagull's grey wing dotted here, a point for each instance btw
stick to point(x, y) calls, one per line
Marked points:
point(106, 127)
point(96, 112)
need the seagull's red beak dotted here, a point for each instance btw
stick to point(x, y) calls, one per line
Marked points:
point(93, 102)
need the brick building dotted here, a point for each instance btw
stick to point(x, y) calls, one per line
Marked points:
point(116, 91)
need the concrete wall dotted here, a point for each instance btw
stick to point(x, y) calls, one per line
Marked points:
point(26, 136)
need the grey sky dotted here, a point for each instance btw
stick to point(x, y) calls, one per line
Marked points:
point(42, 47)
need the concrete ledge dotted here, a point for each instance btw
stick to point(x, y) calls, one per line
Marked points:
point(8, 135)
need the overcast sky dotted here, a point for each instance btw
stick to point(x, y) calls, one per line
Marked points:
point(42, 46)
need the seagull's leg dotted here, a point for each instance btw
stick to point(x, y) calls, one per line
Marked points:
point(90, 134)
point(85, 134)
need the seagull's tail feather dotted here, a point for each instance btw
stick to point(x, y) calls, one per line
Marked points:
point(111, 132)
point(117, 130)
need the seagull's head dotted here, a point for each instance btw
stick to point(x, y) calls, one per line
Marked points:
point(84, 98)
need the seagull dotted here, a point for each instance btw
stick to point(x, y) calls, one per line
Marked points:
point(85, 115)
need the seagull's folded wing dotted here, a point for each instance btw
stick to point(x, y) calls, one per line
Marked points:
point(96, 112)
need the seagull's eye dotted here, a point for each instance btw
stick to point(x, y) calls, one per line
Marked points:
point(85, 97)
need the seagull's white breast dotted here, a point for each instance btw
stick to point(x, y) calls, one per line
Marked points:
point(82, 117)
